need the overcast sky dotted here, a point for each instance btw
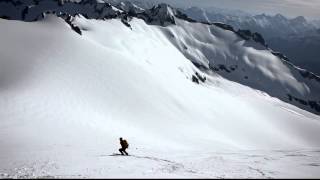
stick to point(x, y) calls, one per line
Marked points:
point(291, 8)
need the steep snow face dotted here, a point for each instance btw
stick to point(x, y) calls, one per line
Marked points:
point(246, 62)
point(86, 91)
point(66, 98)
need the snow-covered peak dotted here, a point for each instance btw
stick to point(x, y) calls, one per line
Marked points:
point(161, 14)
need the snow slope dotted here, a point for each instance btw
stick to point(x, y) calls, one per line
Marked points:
point(238, 55)
point(65, 99)
point(245, 61)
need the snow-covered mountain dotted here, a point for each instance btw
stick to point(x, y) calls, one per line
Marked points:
point(223, 55)
point(296, 37)
point(70, 85)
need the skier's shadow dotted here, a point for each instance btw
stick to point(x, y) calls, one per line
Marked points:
point(115, 154)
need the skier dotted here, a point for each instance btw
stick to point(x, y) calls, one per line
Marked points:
point(124, 145)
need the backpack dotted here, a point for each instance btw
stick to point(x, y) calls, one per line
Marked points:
point(125, 143)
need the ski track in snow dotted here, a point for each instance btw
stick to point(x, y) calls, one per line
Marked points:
point(241, 164)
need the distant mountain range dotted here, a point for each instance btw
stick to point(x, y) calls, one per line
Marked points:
point(270, 26)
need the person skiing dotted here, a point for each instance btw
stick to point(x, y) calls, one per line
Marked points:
point(124, 145)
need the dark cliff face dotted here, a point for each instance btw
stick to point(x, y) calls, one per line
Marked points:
point(248, 35)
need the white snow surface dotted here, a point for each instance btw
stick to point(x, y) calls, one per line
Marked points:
point(66, 99)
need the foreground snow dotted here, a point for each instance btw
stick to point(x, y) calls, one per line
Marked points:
point(146, 164)
point(66, 99)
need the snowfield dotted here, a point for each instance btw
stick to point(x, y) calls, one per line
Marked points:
point(148, 164)
point(66, 99)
